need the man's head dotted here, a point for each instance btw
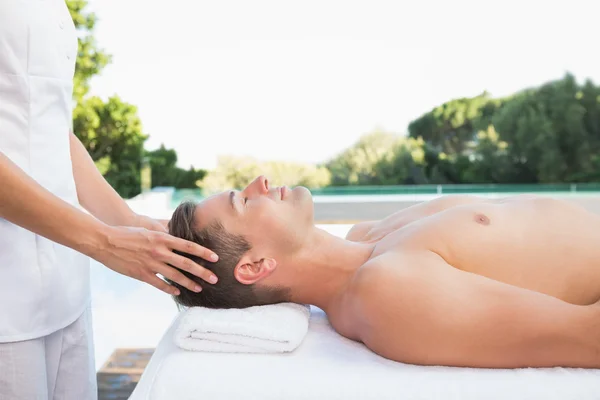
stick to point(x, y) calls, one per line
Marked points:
point(252, 231)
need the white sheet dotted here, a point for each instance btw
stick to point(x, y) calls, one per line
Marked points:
point(329, 366)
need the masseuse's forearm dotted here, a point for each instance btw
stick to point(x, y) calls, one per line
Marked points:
point(94, 193)
point(26, 203)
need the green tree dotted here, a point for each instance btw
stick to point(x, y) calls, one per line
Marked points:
point(165, 172)
point(489, 161)
point(111, 131)
point(356, 165)
point(550, 133)
point(90, 59)
point(451, 126)
point(237, 172)
point(403, 164)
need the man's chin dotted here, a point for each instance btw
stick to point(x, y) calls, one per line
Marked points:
point(302, 193)
point(303, 202)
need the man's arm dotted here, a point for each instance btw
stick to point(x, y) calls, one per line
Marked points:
point(137, 253)
point(434, 314)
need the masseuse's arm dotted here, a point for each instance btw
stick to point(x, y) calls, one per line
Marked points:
point(436, 314)
point(135, 252)
point(98, 197)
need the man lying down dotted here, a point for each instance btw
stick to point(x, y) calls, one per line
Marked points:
point(456, 281)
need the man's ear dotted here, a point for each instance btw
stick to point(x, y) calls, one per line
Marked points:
point(248, 271)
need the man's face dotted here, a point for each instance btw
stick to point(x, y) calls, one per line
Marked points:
point(272, 218)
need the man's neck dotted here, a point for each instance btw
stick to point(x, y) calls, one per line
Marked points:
point(321, 271)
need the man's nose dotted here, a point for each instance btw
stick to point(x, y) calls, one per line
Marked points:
point(258, 186)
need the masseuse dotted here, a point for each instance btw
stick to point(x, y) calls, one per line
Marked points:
point(46, 177)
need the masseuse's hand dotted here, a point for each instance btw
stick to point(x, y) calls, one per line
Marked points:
point(142, 253)
point(143, 221)
point(136, 252)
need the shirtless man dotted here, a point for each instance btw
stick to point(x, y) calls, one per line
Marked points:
point(457, 281)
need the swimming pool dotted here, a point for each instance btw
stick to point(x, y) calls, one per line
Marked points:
point(354, 194)
point(351, 205)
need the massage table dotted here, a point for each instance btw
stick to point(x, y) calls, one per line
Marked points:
point(329, 366)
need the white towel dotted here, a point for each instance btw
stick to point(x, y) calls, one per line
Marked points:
point(275, 328)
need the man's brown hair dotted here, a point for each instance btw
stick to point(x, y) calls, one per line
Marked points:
point(227, 292)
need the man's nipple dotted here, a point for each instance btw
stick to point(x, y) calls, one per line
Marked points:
point(482, 219)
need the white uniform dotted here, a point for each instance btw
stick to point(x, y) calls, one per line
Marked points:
point(44, 287)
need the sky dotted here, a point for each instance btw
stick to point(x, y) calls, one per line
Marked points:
point(302, 80)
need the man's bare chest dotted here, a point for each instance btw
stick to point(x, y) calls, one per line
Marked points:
point(438, 232)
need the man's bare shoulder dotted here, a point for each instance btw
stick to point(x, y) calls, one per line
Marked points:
point(389, 269)
point(395, 301)
point(387, 274)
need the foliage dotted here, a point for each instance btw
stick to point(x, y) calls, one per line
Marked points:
point(237, 172)
point(356, 165)
point(165, 172)
point(489, 161)
point(111, 131)
point(548, 134)
point(90, 59)
point(552, 131)
point(451, 126)
point(403, 164)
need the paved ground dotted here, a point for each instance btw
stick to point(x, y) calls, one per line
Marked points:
point(122, 371)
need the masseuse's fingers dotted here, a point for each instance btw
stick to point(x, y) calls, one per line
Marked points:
point(161, 285)
point(188, 265)
point(143, 221)
point(141, 254)
point(179, 278)
point(166, 255)
point(191, 248)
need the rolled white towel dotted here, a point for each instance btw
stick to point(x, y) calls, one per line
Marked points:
point(275, 328)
